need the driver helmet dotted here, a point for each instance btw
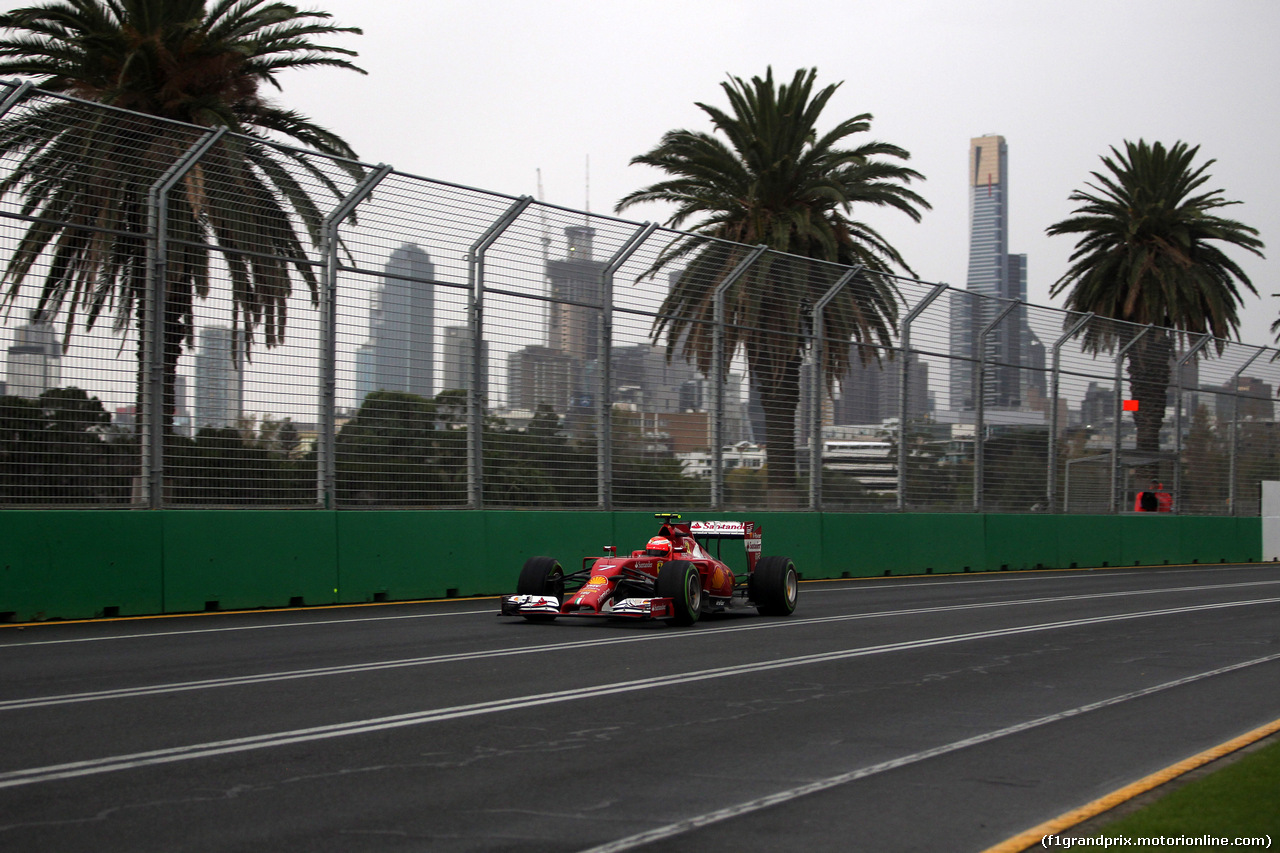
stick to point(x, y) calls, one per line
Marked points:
point(659, 546)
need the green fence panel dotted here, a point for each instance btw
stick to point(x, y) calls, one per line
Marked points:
point(513, 537)
point(1248, 540)
point(74, 564)
point(398, 556)
point(877, 545)
point(946, 542)
point(1089, 541)
point(231, 559)
point(862, 546)
point(1152, 539)
point(1021, 542)
point(69, 564)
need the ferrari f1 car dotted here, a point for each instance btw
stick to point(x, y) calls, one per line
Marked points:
point(674, 577)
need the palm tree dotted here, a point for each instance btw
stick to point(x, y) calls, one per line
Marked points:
point(775, 180)
point(83, 174)
point(1150, 253)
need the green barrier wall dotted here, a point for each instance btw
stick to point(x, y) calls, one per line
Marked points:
point(82, 564)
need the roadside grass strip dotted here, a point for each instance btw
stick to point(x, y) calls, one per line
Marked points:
point(1237, 800)
point(1222, 803)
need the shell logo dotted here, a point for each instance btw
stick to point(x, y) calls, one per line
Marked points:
point(598, 580)
point(717, 577)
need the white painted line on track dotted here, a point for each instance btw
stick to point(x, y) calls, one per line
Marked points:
point(231, 628)
point(110, 764)
point(376, 666)
point(1024, 577)
point(967, 579)
point(690, 824)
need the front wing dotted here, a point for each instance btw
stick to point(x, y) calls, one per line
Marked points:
point(549, 605)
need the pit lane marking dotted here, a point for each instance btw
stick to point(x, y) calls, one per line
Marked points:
point(377, 666)
point(75, 769)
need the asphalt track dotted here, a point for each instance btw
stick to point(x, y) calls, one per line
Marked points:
point(941, 713)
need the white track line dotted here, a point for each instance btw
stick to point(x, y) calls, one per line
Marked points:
point(671, 830)
point(305, 624)
point(376, 666)
point(110, 764)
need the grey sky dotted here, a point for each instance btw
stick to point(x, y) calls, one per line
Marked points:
point(484, 94)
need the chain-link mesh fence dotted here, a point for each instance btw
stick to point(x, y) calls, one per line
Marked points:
point(195, 318)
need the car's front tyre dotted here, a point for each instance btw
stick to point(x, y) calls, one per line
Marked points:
point(679, 581)
point(541, 576)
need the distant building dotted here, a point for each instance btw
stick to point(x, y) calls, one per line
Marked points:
point(400, 352)
point(219, 400)
point(1253, 400)
point(542, 376)
point(574, 314)
point(458, 356)
point(181, 416)
point(34, 361)
point(997, 277)
point(872, 393)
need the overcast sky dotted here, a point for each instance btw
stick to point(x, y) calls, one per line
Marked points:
point(487, 93)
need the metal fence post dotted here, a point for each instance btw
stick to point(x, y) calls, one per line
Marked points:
point(1054, 393)
point(477, 393)
point(720, 370)
point(905, 389)
point(1235, 432)
point(1177, 420)
point(326, 430)
point(1119, 413)
point(979, 407)
point(151, 419)
point(604, 396)
point(818, 350)
point(19, 92)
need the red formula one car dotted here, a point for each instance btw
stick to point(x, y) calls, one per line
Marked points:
point(674, 577)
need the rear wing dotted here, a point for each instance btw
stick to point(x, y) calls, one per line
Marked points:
point(748, 531)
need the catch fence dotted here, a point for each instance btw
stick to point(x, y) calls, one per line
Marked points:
point(411, 343)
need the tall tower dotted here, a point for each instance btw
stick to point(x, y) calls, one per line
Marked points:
point(996, 276)
point(34, 360)
point(400, 352)
point(574, 329)
point(219, 377)
point(459, 356)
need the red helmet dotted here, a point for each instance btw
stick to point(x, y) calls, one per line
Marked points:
point(659, 546)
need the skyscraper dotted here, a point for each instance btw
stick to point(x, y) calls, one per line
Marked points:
point(34, 361)
point(573, 327)
point(219, 377)
point(459, 355)
point(400, 352)
point(995, 277)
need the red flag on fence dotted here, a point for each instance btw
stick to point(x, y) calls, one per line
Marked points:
point(1131, 405)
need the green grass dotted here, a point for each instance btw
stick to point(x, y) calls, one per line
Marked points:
point(1240, 800)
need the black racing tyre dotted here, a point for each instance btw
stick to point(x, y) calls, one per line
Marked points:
point(775, 585)
point(679, 581)
point(541, 576)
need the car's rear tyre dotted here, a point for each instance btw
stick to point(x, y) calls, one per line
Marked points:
point(679, 581)
point(775, 586)
point(541, 576)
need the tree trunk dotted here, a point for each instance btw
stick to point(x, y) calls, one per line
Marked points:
point(779, 391)
point(1149, 374)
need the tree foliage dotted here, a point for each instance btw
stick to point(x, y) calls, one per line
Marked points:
point(771, 177)
point(83, 175)
point(1150, 251)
